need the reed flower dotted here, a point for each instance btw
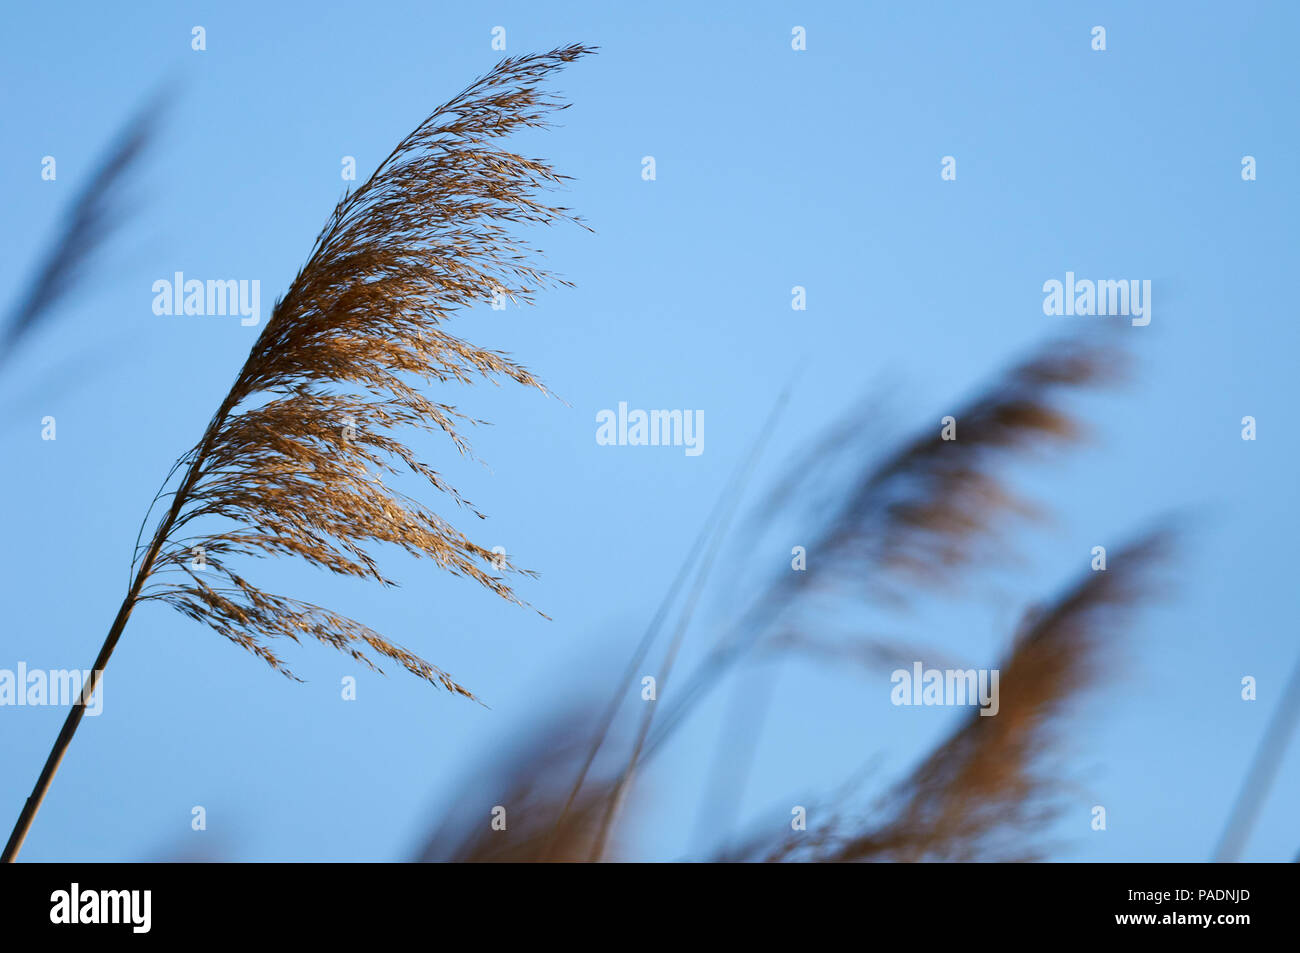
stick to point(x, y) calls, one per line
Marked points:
point(293, 460)
point(295, 456)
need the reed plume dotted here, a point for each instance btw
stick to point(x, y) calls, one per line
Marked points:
point(918, 514)
point(530, 780)
point(927, 507)
point(978, 793)
point(286, 459)
point(93, 215)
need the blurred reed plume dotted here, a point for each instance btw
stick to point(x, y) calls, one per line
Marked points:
point(976, 794)
point(885, 525)
point(287, 457)
point(916, 514)
point(529, 779)
point(94, 214)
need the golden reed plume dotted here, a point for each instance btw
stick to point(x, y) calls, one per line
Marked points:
point(287, 457)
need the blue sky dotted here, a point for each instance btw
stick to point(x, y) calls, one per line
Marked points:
point(775, 168)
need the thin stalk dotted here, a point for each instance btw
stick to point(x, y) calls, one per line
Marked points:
point(730, 492)
point(719, 536)
point(1263, 770)
point(61, 743)
point(621, 786)
point(633, 666)
point(741, 732)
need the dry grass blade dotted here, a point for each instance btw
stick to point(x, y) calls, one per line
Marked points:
point(977, 795)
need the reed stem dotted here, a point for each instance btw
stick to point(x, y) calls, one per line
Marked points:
point(61, 743)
